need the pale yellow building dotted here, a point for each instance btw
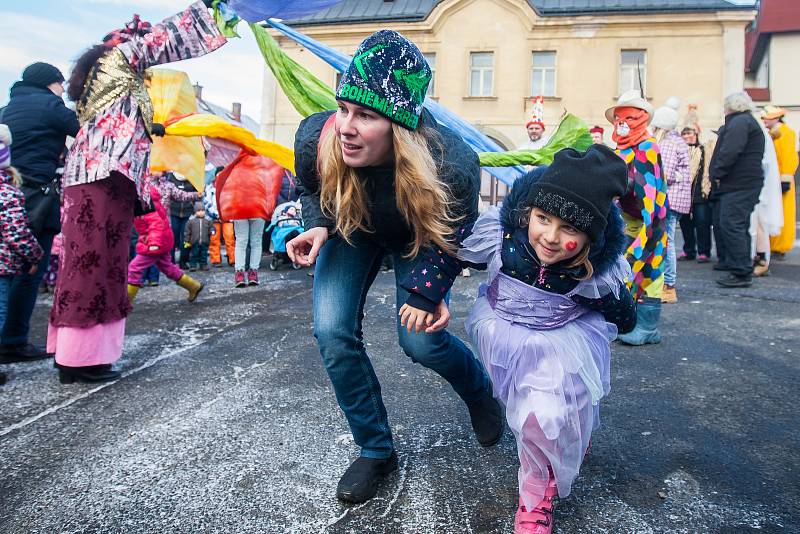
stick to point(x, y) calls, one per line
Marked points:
point(491, 56)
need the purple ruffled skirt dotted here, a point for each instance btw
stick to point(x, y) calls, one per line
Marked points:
point(550, 380)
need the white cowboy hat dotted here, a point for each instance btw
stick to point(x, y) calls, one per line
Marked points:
point(631, 99)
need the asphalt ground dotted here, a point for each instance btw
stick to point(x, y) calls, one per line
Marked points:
point(225, 421)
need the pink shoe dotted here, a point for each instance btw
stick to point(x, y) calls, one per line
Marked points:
point(252, 277)
point(540, 519)
point(238, 279)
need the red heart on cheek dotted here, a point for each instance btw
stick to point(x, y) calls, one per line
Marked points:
point(571, 245)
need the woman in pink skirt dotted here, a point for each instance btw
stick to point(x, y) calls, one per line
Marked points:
point(105, 177)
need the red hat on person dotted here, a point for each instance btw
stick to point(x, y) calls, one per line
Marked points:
point(597, 129)
point(537, 112)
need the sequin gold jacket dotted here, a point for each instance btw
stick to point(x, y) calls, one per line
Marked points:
point(115, 111)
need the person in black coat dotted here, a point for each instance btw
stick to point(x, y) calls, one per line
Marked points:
point(380, 176)
point(40, 123)
point(737, 178)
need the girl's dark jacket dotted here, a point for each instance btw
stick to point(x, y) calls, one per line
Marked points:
point(520, 260)
point(459, 170)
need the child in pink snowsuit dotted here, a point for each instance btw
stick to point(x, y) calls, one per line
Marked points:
point(154, 247)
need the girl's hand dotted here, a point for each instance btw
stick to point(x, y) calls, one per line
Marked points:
point(304, 248)
point(414, 318)
point(441, 317)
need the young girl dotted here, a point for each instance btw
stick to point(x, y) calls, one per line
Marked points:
point(154, 248)
point(555, 297)
point(19, 250)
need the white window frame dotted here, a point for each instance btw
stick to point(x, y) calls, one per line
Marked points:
point(630, 70)
point(536, 91)
point(432, 85)
point(482, 71)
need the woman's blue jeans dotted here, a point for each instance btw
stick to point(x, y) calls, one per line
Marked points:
point(671, 258)
point(342, 278)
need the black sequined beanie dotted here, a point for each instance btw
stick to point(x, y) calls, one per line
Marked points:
point(389, 75)
point(579, 187)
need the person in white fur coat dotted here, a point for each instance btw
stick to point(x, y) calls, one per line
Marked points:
point(767, 218)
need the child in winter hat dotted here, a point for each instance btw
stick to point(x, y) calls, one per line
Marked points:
point(556, 294)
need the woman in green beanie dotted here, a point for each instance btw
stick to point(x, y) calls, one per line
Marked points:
point(381, 176)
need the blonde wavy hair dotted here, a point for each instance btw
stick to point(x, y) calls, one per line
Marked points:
point(422, 199)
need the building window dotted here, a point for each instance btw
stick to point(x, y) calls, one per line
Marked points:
point(543, 77)
point(431, 59)
point(481, 72)
point(628, 70)
point(759, 77)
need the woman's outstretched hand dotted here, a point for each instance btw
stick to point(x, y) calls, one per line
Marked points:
point(418, 320)
point(303, 249)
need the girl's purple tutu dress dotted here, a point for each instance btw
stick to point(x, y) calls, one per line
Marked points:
point(548, 358)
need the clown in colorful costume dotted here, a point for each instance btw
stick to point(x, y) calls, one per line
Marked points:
point(645, 210)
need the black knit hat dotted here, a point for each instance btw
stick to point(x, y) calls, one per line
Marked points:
point(41, 74)
point(389, 75)
point(580, 186)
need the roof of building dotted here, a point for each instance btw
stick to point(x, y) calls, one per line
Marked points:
point(204, 106)
point(352, 11)
point(370, 11)
point(774, 16)
point(582, 7)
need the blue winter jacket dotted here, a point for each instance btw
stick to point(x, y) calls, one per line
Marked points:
point(39, 123)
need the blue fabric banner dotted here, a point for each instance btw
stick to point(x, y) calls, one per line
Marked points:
point(258, 10)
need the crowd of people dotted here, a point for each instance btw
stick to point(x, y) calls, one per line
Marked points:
point(581, 252)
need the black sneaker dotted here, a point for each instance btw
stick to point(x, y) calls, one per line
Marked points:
point(22, 353)
point(486, 415)
point(360, 482)
point(733, 280)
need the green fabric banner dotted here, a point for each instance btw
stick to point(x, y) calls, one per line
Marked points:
point(572, 132)
point(226, 20)
point(305, 91)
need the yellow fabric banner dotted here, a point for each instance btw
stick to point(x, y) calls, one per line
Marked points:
point(213, 126)
point(173, 96)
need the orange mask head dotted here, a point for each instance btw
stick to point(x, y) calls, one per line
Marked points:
point(630, 126)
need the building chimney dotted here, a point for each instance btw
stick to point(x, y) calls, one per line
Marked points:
point(198, 91)
point(236, 111)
